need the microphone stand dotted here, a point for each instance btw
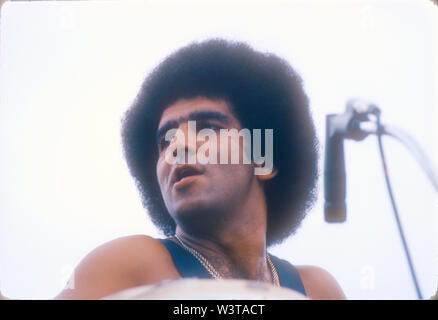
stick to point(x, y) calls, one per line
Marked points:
point(358, 121)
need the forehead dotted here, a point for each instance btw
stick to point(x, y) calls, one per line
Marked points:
point(184, 107)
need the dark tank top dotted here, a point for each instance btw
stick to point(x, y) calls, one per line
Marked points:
point(190, 267)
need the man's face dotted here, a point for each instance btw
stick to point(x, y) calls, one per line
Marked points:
point(196, 191)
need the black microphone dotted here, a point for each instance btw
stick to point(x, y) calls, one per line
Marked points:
point(335, 208)
point(339, 127)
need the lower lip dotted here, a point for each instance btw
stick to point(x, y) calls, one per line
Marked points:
point(185, 181)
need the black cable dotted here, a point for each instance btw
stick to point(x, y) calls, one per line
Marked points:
point(394, 207)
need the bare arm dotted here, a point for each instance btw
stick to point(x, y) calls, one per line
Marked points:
point(319, 284)
point(117, 265)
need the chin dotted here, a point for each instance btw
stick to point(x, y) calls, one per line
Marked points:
point(189, 207)
point(194, 213)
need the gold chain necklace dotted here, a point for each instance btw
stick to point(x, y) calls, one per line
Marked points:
point(216, 275)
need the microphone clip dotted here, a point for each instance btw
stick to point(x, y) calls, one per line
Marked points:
point(347, 125)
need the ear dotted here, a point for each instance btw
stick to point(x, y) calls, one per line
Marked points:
point(268, 176)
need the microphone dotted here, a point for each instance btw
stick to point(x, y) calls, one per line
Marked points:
point(342, 126)
point(335, 209)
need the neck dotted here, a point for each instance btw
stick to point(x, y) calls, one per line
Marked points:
point(237, 250)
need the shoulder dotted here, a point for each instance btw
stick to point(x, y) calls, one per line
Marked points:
point(119, 264)
point(127, 251)
point(320, 284)
point(131, 245)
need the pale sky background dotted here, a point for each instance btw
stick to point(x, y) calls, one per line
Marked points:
point(68, 71)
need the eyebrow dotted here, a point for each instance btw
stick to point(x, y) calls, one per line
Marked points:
point(194, 116)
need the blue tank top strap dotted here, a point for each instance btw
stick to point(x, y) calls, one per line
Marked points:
point(187, 265)
point(190, 267)
point(288, 274)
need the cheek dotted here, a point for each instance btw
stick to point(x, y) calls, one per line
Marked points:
point(234, 150)
point(236, 177)
point(162, 172)
point(232, 183)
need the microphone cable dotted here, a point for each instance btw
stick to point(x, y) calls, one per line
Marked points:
point(380, 132)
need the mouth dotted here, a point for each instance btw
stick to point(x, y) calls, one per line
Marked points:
point(185, 174)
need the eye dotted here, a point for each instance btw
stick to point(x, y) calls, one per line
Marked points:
point(163, 144)
point(165, 140)
point(214, 127)
point(208, 125)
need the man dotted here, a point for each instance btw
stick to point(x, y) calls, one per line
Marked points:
point(223, 216)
